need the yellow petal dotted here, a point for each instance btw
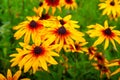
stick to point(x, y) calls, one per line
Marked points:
point(117, 39)
point(67, 18)
point(49, 41)
point(24, 60)
point(115, 72)
point(17, 75)
point(50, 60)
point(106, 43)
point(28, 64)
point(35, 65)
point(27, 37)
point(113, 64)
point(19, 33)
point(99, 41)
point(9, 74)
point(2, 77)
point(53, 54)
point(106, 24)
point(43, 63)
point(113, 43)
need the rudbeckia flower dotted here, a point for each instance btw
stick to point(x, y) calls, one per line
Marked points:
point(63, 35)
point(110, 7)
point(91, 51)
point(70, 4)
point(31, 28)
point(99, 57)
point(78, 47)
point(9, 76)
point(34, 56)
point(114, 17)
point(103, 69)
point(46, 16)
point(39, 10)
point(104, 33)
point(52, 4)
point(66, 21)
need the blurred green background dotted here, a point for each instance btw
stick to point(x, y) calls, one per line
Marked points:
point(12, 12)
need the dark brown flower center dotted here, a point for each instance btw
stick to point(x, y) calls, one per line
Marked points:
point(91, 50)
point(62, 22)
point(44, 17)
point(62, 30)
point(52, 2)
point(38, 50)
point(112, 3)
point(102, 67)
point(100, 58)
point(69, 1)
point(107, 32)
point(40, 4)
point(77, 46)
point(33, 24)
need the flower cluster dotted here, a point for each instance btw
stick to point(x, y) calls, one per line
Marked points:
point(44, 36)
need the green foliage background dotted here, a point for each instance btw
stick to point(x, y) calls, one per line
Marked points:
point(12, 12)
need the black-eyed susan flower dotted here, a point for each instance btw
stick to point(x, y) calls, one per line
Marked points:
point(46, 16)
point(104, 69)
point(62, 35)
point(104, 33)
point(114, 17)
point(91, 51)
point(78, 47)
point(100, 58)
point(52, 4)
point(110, 7)
point(9, 76)
point(39, 10)
point(34, 56)
point(66, 21)
point(70, 4)
point(31, 28)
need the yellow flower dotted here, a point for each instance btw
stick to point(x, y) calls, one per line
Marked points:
point(110, 7)
point(70, 4)
point(46, 17)
point(91, 51)
point(63, 35)
point(32, 27)
point(52, 4)
point(103, 69)
point(66, 21)
point(104, 33)
point(10, 77)
point(114, 17)
point(78, 47)
point(39, 10)
point(99, 57)
point(34, 56)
